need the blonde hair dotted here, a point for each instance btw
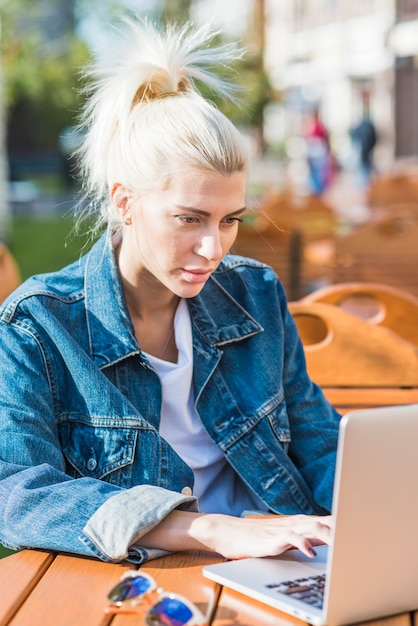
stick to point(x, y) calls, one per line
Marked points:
point(145, 118)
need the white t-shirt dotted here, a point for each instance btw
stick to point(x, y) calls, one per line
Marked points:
point(217, 486)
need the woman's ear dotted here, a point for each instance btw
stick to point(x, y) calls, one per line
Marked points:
point(120, 198)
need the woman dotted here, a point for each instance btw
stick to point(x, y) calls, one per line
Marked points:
point(156, 388)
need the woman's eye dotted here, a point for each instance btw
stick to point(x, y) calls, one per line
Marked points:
point(189, 219)
point(232, 220)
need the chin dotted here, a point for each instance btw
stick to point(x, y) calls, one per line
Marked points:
point(189, 291)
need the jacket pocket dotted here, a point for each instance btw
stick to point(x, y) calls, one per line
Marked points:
point(98, 451)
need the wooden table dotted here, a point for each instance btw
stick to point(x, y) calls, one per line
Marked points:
point(42, 589)
point(346, 399)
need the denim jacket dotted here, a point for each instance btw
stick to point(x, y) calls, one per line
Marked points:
point(82, 466)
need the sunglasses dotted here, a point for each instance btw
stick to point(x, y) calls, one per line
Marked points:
point(137, 591)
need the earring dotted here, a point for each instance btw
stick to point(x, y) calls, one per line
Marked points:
point(128, 219)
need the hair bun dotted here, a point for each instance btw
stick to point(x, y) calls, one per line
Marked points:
point(160, 85)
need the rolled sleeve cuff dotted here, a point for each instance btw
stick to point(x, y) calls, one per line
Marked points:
point(114, 531)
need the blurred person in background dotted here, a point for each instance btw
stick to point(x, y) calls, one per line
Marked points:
point(364, 139)
point(155, 389)
point(318, 151)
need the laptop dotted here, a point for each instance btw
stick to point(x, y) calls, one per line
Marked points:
point(370, 570)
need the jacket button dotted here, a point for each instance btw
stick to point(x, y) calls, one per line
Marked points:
point(91, 464)
point(187, 491)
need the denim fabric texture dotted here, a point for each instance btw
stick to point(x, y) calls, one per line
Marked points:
point(82, 466)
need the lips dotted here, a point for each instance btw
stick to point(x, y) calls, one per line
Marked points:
point(196, 275)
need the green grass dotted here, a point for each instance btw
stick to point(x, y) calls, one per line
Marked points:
point(44, 244)
point(5, 551)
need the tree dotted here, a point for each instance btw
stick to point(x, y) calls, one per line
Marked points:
point(5, 212)
point(39, 61)
point(41, 68)
point(176, 11)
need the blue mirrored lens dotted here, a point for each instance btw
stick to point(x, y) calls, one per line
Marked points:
point(129, 589)
point(169, 612)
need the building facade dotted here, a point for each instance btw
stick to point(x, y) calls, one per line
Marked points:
point(338, 56)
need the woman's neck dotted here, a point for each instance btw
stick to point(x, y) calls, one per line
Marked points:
point(152, 308)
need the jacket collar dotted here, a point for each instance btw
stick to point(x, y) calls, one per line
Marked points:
point(216, 315)
point(111, 331)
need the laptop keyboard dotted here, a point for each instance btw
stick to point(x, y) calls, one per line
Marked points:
point(309, 589)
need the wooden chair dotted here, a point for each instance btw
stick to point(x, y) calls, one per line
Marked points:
point(399, 209)
point(393, 188)
point(9, 272)
point(313, 216)
point(382, 251)
point(343, 350)
point(376, 303)
point(294, 236)
point(395, 212)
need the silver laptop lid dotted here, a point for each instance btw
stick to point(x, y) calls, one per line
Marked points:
point(372, 565)
point(373, 561)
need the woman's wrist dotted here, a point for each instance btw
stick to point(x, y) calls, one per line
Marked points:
point(206, 529)
point(183, 530)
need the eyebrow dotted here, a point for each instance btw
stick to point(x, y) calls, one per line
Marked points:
point(207, 213)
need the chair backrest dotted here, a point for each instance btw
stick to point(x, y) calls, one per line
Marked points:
point(382, 251)
point(390, 236)
point(9, 272)
point(292, 235)
point(343, 350)
point(376, 303)
point(398, 209)
point(393, 188)
point(313, 216)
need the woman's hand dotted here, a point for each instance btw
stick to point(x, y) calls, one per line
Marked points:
point(236, 538)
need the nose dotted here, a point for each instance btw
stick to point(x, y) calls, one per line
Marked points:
point(210, 247)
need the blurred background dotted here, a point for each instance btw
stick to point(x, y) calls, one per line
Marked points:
point(330, 113)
